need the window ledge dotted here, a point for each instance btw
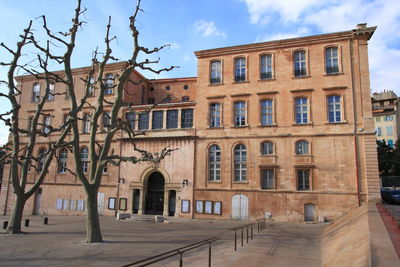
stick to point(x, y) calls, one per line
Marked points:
point(238, 82)
point(215, 128)
point(268, 155)
point(241, 182)
point(268, 189)
point(339, 122)
point(215, 84)
point(333, 74)
point(302, 124)
point(240, 126)
point(267, 80)
point(301, 77)
point(303, 155)
point(214, 182)
point(268, 126)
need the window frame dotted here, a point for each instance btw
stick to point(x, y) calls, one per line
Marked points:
point(187, 116)
point(308, 112)
point(299, 151)
point(143, 120)
point(130, 117)
point(35, 92)
point(215, 121)
point(242, 69)
point(326, 70)
point(41, 159)
point(62, 161)
point(268, 65)
point(271, 149)
point(215, 176)
point(52, 89)
point(266, 113)
point(86, 122)
point(46, 128)
point(240, 114)
point(215, 80)
point(91, 79)
point(107, 121)
point(84, 160)
point(242, 164)
point(262, 187)
point(157, 124)
point(328, 105)
point(109, 84)
point(304, 186)
point(172, 119)
point(300, 72)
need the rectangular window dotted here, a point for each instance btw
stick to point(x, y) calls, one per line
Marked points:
point(379, 131)
point(378, 119)
point(331, 60)
point(157, 122)
point(265, 67)
point(81, 205)
point(187, 118)
point(266, 112)
point(131, 118)
point(172, 119)
point(111, 203)
point(388, 118)
point(106, 119)
point(109, 84)
point(300, 67)
point(36, 92)
point(303, 179)
point(389, 130)
point(29, 123)
point(65, 204)
point(46, 124)
point(90, 88)
point(143, 121)
point(199, 206)
point(122, 204)
point(50, 96)
point(301, 109)
point(215, 74)
point(86, 123)
point(72, 204)
point(240, 113)
point(267, 179)
point(215, 115)
point(240, 69)
point(334, 110)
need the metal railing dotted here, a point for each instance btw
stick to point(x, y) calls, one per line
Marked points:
point(261, 226)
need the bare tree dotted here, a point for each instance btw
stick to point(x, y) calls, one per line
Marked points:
point(100, 146)
point(19, 153)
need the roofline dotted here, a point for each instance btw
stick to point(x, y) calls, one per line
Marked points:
point(286, 42)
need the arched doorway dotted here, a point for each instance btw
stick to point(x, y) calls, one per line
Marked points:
point(309, 212)
point(240, 206)
point(171, 203)
point(36, 206)
point(155, 194)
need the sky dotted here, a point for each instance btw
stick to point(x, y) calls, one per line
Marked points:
point(190, 25)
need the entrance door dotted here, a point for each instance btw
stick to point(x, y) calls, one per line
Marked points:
point(171, 203)
point(240, 207)
point(100, 203)
point(38, 196)
point(136, 201)
point(155, 194)
point(309, 212)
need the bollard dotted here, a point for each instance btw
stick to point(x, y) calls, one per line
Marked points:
point(180, 259)
point(209, 254)
point(247, 234)
point(242, 238)
point(46, 220)
point(5, 224)
point(27, 223)
point(235, 240)
point(251, 233)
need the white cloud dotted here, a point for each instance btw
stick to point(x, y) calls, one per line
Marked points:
point(208, 28)
point(302, 31)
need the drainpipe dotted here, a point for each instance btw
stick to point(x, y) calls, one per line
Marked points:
point(194, 172)
point(356, 152)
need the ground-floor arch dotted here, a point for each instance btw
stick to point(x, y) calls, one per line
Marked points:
point(154, 200)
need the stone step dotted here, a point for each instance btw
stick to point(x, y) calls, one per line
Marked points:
point(143, 218)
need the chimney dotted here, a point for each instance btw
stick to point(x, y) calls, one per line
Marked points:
point(361, 26)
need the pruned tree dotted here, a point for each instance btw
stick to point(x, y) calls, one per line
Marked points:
point(20, 148)
point(100, 148)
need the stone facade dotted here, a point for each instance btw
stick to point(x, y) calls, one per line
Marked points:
point(282, 127)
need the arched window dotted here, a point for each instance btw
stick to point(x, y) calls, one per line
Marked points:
point(214, 163)
point(267, 148)
point(240, 157)
point(331, 60)
point(62, 160)
point(300, 63)
point(41, 159)
point(301, 147)
point(85, 159)
point(240, 69)
point(215, 72)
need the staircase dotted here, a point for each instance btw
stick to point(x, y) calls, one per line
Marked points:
point(142, 218)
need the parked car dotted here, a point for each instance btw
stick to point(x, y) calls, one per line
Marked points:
point(390, 195)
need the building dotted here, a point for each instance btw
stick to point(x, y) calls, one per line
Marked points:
point(282, 127)
point(385, 109)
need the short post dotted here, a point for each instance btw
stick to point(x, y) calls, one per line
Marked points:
point(180, 259)
point(235, 239)
point(258, 225)
point(26, 222)
point(242, 236)
point(251, 233)
point(247, 234)
point(5, 224)
point(209, 254)
point(46, 220)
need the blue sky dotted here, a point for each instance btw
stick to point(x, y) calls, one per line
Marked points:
point(202, 24)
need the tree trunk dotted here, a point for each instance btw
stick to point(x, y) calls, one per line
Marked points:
point(93, 231)
point(14, 223)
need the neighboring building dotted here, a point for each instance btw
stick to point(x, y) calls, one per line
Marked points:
point(283, 127)
point(385, 109)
